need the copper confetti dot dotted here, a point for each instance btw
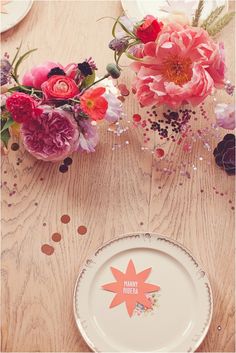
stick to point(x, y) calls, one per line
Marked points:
point(47, 249)
point(232, 208)
point(121, 98)
point(56, 237)
point(65, 219)
point(44, 224)
point(221, 194)
point(141, 223)
point(15, 146)
point(15, 185)
point(160, 152)
point(202, 190)
point(123, 89)
point(82, 230)
point(36, 203)
point(230, 201)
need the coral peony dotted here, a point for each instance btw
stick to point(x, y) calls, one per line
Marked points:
point(225, 115)
point(94, 104)
point(183, 66)
point(39, 74)
point(52, 136)
point(88, 138)
point(59, 87)
point(22, 107)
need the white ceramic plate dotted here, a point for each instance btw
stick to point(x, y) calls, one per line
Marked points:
point(16, 11)
point(183, 310)
point(140, 8)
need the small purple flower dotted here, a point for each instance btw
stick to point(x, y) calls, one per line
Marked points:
point(5, 71)
point(119, 45)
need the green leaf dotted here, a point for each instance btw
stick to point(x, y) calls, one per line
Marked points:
point(17, 53)
point(221, 23)
point(212, 17)
point(114, 27)
point(122, 26)
point(7, 124)
point(19, 61)
point(88, 80)
point(198, 13)
point(130, 56)
point(5, 137)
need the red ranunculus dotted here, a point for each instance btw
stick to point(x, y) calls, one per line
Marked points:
point(59, 87)
point(22, 107)
point(149, 29)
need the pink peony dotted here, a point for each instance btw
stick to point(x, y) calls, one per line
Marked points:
point(88, 138)
point(225, 116)
point(39, 74)
point(52, 136)
point(183, 66)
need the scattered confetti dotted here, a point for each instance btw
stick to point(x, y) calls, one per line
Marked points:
point(47, 249)
point(15, 146)
point(82, 230)
point(65, 218)
point(56, 237)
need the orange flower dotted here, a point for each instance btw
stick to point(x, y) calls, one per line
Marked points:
point(93, 104)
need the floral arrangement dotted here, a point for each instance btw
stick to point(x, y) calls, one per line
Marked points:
point(56, 108)
point(177, 64)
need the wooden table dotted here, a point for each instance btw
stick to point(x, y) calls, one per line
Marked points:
point(110, 192)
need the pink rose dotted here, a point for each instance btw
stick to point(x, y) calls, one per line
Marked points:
point(39, 74)
point(225, 116)
point(52, 136)
point(182, 67)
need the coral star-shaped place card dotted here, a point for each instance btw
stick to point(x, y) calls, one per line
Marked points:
point(130, 287)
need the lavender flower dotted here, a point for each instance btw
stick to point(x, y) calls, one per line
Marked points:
point(5, 71)
point(119, 45)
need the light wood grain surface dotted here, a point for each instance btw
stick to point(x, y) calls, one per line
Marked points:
point(110, 192)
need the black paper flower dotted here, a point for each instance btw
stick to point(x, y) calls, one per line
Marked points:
point(224, 154)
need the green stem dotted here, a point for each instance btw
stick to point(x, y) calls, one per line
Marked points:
point(94, 83)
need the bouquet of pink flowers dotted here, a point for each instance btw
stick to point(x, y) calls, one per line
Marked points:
point(175, 64)
point(55, 107)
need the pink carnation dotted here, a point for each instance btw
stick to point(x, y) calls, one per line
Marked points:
point(52, 136)
point(39, 74)
point(183, 66)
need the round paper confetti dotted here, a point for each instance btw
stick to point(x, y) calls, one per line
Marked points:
point(65, 218)
point(56, 237)
point(82, 230)
point(47, 249)
point(160, 152)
